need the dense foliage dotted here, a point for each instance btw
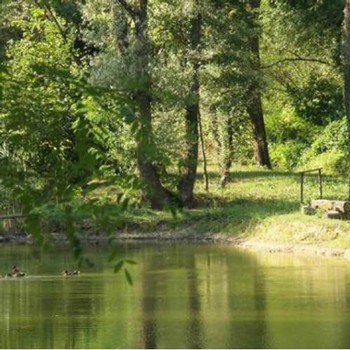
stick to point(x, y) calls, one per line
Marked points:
point(135, 94)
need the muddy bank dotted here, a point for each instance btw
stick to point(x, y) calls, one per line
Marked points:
point(94, 238)
point(248, 243)
point(299, 249)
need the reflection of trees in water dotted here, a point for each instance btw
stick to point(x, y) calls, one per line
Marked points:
point(183, 296)
point(195, 329)
point(148, 304)
point(81, 307)
point(261, 332)
point(48, 314)
point(345, 342)
point(44, 310)
point(163, 265)
point(149, 326)
point(247, 298)
point(9, 311)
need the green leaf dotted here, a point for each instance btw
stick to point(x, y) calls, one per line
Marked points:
point(128, 277)
point(113, 255)
point(118, 266)
point(132, 262)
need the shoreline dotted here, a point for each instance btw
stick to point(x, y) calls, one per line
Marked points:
point(247, 243)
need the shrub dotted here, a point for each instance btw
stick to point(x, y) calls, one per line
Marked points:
point(286, 155)
point(329, 149)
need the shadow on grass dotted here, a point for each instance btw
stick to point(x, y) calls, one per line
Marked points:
point(246, 174)
point(235, 217)
point(235, 212)
point(261, 174)
point(255, 174)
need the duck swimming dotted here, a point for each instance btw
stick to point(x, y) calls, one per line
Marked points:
point(16, 272)
point(70, 273)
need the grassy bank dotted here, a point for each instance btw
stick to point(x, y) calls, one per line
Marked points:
point(260, 204)
point(256, 204)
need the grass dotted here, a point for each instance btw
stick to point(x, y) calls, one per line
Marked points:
point(301, 229)
point(256, 203)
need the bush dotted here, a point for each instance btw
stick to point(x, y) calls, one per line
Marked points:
point(286, 155)
point(288, 136)
point(329, 149)
point(319, 101)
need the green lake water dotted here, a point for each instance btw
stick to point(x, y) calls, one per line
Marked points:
point(183, 296)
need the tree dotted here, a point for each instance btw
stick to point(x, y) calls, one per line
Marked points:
point(254, 103)
point(142, 62)
point(158, 195)
point(190, 162)
point(32, 103)
point(346, 68)
point(8, 11)
point(300, 55)
point(155, 192)
point(233, 83)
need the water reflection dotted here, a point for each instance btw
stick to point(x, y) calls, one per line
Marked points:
point(46, 310)
point(195, 327)
point(184, 296)
point(149, 302)
point(246, 302)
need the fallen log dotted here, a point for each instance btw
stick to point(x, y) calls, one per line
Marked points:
point(334, 214)
point(335, 205)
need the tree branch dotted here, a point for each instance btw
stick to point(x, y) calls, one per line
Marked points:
point(130, 9)
point(295, 59)
point(59, 27)
point(48, 8)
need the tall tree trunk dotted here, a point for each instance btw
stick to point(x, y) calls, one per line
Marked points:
point(226, 150)
point(346, 67)
point(223, 136)
point(205, 164)
point(254, 107)
point(190, 161)
point(255, 111)
point(154, 192)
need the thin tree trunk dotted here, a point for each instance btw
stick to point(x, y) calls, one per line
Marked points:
point(205, 169)
point(346, 67)
point(190, 162)
point(254, 107)
point(226, 156)
point(255, 111)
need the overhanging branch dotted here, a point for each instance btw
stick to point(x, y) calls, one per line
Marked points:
point(128, 8)
point(48, 8)
point(296, 59)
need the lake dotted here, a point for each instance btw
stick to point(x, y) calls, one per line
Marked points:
point(183, 296)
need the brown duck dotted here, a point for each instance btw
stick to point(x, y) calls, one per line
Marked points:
point(16, 272)
point(70, 273)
